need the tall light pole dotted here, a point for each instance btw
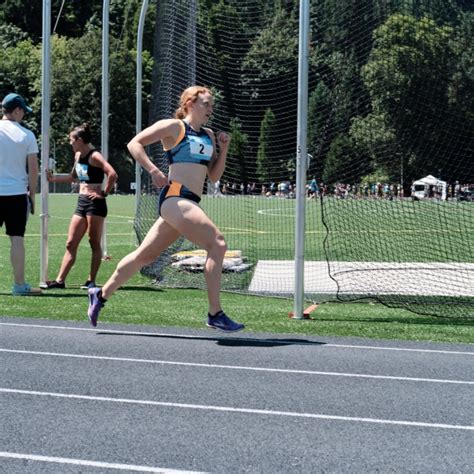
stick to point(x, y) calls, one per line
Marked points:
point(45, 124)
point(138, 118)
point(301, 157)
point(105, 102)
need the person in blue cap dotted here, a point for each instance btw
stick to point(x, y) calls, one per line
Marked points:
point(18, 181)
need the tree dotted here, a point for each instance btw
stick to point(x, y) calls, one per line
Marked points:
point(269, 80)
point(264, 159)
point(407, 77)
point(20, 67)
point(342, 164)
point(76, 98)
point(236, 169)
point(319, 118)
point(76, 75)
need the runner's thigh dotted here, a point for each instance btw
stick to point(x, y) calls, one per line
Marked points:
point(191, 222)
point(158, 239)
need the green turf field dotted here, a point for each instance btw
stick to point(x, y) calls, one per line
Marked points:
point(359, 230)
point(142, 303)
point(403, 229)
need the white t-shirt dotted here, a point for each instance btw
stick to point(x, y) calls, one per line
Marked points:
point(16, 143)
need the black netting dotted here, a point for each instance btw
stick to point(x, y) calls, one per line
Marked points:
point(389, 214)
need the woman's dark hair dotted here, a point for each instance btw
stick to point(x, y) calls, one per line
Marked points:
point(83, 131)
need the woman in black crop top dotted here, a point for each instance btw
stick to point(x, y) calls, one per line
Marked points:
point(89, 169)
point(193, 157)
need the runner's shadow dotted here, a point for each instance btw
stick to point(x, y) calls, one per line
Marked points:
point(248, 342)
point(141, 288)
point(50, 295)
point(221, 341)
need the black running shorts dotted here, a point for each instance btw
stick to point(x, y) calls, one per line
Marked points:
point(176, 190)
point(90, 207)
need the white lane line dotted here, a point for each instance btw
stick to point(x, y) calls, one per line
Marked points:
point(83, 462)
point(251, 411)
point(238, 367)
point(285, 342)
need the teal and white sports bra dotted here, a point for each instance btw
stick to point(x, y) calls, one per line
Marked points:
point(191, 147)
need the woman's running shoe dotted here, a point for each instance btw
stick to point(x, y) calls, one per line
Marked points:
point(88, 284)
point(95, 305)
point(222, 322)
point(53, 285)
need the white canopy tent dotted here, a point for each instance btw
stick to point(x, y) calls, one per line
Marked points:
point(424, 187)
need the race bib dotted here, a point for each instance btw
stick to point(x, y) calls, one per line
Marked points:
point(200, 149)
point(81, 171)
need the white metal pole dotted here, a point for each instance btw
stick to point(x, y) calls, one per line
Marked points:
point(45, 124)
point(192, 15)
point(105, 102)
point(301, 157)
point(138, 119)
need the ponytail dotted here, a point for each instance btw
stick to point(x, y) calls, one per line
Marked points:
point(189, 94)
point(83, 131)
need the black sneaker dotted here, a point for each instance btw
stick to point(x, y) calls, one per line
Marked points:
point(52, 285)
point(88, 284)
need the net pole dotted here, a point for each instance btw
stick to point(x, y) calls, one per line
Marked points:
point(45, 124)
point(105, 103)
point(301, 157)
point(138, 120)
point(192, 43)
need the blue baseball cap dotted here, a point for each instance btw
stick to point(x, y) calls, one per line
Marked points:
point(11, 101)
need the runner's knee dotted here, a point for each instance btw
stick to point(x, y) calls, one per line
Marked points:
point(71, 246)
point(95, 244)
point(219, 245)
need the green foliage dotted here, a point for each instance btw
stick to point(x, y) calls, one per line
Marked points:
point(341, 164)
point(411, 63)
point(238, 150)
point(20, 66)
point(76, 78)
point(20, 71)
point(74, 19)
point(274, 52)
point(378, 176)
point(391, 76)
point(319, 118)
point(10, 35)
point(264, 161)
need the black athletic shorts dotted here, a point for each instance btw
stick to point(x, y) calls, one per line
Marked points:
point(176, 190)
point(14, 212)
point(90, 207)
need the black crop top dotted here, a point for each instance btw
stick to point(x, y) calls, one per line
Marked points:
point(87, 173)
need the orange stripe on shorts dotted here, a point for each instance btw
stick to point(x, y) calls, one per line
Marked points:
point(174, 190)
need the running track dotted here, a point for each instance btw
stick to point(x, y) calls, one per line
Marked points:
point(149, 399)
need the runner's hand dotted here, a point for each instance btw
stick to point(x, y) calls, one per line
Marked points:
point(159, 179)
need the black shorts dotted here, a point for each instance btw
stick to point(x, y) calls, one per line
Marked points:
point(14, 212)
point(90, 207)
point(176, 190)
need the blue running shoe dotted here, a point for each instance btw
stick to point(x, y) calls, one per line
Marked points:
point(95, 305)
point(222, 322)
point(25, 290)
